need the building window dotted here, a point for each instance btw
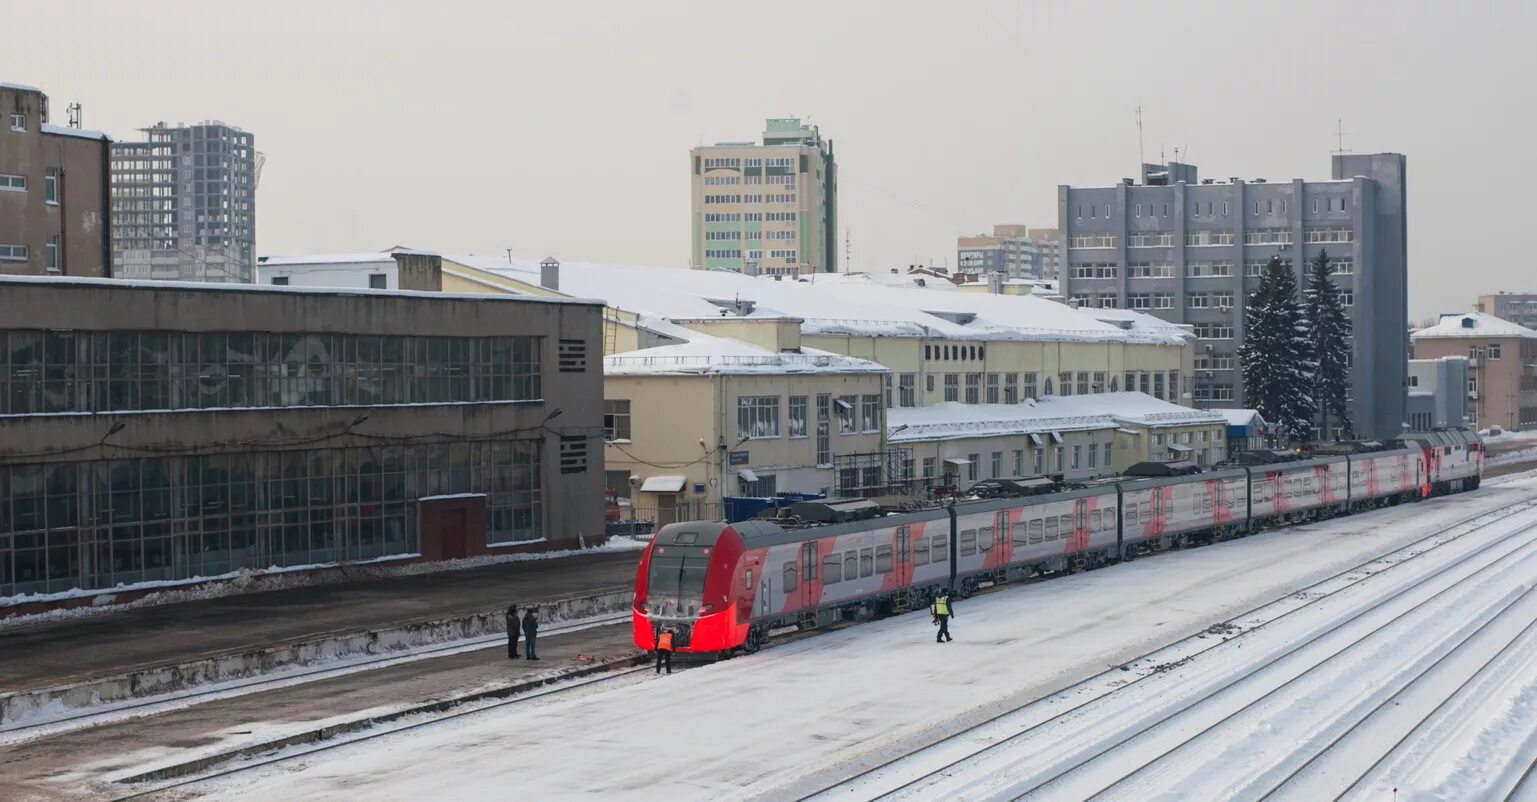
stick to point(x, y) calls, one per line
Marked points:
point(1077, 454)
point(1046, 389)
point(796, 423)
point(928, 467)
point(1150, 270)
point(907, 390)
point(1494, 350)
point(870, 413)
point(13, 183)
point(1019, 462)
point(1208, 269)
point(994, 389)
point(848, 414)
point(952, 386)
point(1163, 239)
point(51, 185)
point(973, 388)
point(1213, 331)
point(1083, 382)
point(997, 464)
point(1040, 460)
point(1108, 445)
point(1030, 385)
point(757, 416)
point(1328, 234)
point(51, 253)
point(280, 281)
point(1011, 388)
point(1099, 382)
point(1347, 298)
point(1065, 382)
point(18, 122)
point(616, 419)
point(1093, 456)
point(972, 460)
point(1205, 238)
point(1174, 386)
point(928, 383)
point(377, 281)
point(1091, 240)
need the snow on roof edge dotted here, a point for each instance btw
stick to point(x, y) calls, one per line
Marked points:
point(207, 286)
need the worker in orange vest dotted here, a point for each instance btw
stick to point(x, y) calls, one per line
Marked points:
point(664, 650)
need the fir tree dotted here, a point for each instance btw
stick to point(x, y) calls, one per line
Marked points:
point(1329, 328)
point(1276, 355)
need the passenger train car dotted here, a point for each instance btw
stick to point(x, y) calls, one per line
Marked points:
point(720, 587)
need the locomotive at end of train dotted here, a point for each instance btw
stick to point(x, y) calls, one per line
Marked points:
point(720, 587)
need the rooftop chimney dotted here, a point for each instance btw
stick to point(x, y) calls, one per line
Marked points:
point(549, 273)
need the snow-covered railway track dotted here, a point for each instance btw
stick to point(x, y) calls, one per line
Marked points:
point(155, 705)
point(298, 753)
point(1028, 741)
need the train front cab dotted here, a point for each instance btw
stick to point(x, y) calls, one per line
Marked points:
point(683, 583)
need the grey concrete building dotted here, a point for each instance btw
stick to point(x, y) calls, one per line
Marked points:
point(53, 191)
point(1193, 252)
point(184, 204)
point(160, 431)
point(1438, 393)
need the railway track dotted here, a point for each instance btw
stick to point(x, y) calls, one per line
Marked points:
point(158, 704)
point(916, 771)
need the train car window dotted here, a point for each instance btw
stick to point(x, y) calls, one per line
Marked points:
point(832, 569)
point(1206, 502)
point(1110, 518)
point(1067, 525)
point(941, 548)
point(1131, 512)
point(1051, 528)
point(866, 562)
point(851, 564)
point(985, 538)
point(921, 551)
point(789, 580)
point(1021, 533)
point(685, 538)
point(968, 544)
point(882, 559)
point(1037, 530)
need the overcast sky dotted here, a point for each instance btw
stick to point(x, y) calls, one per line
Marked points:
point(563, 128)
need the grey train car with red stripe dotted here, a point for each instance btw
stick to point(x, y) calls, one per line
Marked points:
point(720, 587)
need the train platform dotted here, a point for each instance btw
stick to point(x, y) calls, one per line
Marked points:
point(73, 651)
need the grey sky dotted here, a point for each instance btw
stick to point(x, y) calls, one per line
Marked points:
point(563, 128)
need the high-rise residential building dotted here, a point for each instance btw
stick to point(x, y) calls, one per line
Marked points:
point(1049, 242)
point(769, 208)
point(1517, 307)
point(184, 204)
point(53, 191)
point(1008, 250)
point(1193, 253)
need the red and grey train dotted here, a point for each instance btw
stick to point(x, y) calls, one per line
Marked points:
point(720, 587)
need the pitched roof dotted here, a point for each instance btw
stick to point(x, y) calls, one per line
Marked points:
point(1472, 324)
point(952, 419)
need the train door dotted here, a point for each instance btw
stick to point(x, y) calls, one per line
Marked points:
point(1080, 524)
point(904, 558)
point(1002, 537)
point(810, 592)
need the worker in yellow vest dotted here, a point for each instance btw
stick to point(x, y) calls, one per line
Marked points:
point(942, 612)
point(664, 650)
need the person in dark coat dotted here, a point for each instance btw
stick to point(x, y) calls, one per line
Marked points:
point(512, 632)
point(530, 630)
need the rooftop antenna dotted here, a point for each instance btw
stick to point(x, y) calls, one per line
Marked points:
point(1141, 157)
point(509, 256)
point(848, 250)
point(1339, 137)
point(75, 114)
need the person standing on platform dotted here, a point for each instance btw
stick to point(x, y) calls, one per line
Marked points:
point(530, 631)
point(512, 632)
point(664, 650)
point(942, 612)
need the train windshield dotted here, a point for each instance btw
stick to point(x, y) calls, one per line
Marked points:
point(677, 578)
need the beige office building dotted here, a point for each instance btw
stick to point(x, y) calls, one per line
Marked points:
point(767, 208)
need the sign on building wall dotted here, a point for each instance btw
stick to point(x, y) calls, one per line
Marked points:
point(739, 457)
point(971, 259)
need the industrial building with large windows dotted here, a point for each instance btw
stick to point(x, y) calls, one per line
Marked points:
point(286, 427)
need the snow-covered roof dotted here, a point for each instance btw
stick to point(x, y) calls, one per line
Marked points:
point(1241, 417)
point(830, 304)
point(952, 420)
point(1472, 324)
point(208, 286)
point(383, 257)
point(707, 355)
point(64, 130)
point(21, 87)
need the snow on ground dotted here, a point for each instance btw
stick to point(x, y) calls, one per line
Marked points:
point(799, 716)
point(171, 591)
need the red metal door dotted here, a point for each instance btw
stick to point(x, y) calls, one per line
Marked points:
point(452, 538)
